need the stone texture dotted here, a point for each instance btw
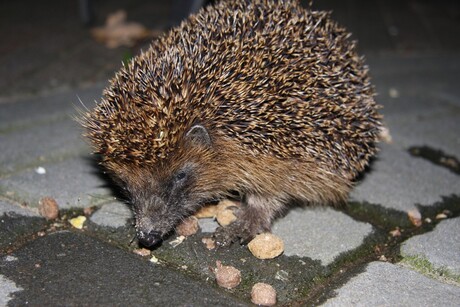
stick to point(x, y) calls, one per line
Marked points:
point(441, 246)
point(72, 269)
point(385, 284)
point(208, 225)
point(39, 144)
point(115, 214)
point(24, 113)
point(399, 181)
point(7, 288)
point(7, 207)
point(72, 183)
point(425, 110)
point(320, 233)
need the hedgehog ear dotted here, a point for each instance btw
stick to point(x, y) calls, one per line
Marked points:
point(199, 135)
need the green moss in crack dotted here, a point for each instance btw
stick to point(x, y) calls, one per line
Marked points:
point(424, 266)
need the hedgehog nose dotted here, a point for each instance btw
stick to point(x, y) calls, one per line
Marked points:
point(149, 239)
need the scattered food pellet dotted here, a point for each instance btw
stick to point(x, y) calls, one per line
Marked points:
point(441, 216)
point(88, 211)
point(428, 220)
point(208, 211)
point(415, 217)
point(266, 246)
point(78, 221)
point(177, 241)
point(225, 217)
point(209, 243)
point(41, 233)
point(227, 276)
point(395, 233)
point(263, 294)
point(48, 208)
point(383, 258)
point(188, 227)
point(142, 252)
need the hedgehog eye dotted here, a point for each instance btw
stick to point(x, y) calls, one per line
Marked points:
point(180, 176)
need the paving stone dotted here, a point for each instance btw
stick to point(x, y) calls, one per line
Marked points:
point(72, 183)
point(7, 288)
point(320, 233)
point(115, 214)
point(72, 269)
point(441, 246)
point(385, 284)
point(208, 225)
point(40, 144)
point(20, 114)
point(426, 107)
point(400, 181)
point(9, 208)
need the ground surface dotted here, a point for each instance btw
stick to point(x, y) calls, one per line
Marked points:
point(336, 257)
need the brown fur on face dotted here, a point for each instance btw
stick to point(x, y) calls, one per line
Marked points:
point(264, 98)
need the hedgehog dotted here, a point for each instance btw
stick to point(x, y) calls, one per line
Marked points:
point(260, 99)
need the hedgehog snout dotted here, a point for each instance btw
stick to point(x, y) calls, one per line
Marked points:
point(150, 238)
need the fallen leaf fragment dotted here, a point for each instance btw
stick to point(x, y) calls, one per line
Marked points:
point(48, 208)
point(142, 252)
point(266, 246)
point(188, 227)
point(78, 221)
point(117, 31)
point(263, 294)
point(177, 241)
point(415, 217)
point(154, 259)
point(227, 276)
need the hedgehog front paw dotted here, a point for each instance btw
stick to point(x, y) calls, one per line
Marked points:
point(238, 231)
point(225, 236)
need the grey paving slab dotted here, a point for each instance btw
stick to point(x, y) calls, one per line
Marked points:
point(400, 181)
point(20, 114)
point(441, 247)
point(208, 225)
point(114, 214)
point(421, 99)
point(72, 183)
point(7, 207)
point(385, 284)
point(320, 233)
point(7, 288)
point(40, 144)
point(72, 269)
